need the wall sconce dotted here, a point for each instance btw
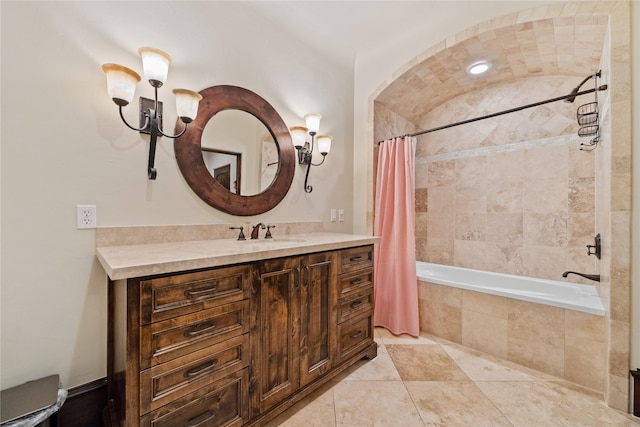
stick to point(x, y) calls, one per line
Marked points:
point(121, 86)
point(305, 148)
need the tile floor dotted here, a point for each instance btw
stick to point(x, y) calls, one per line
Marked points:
point(432, 382)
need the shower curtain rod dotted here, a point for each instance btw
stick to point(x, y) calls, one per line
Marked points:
point(512, 110)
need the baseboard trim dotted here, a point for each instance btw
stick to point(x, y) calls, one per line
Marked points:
point(84, 405)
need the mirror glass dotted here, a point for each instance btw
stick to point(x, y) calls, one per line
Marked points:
point(240, 152)
point(237, 155)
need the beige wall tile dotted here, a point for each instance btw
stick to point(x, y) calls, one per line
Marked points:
point(441, 173)
point(618, 392)
point(440, 251)
point(535, 337)
point(585, 326)
point(541, 350)
point(441, 311)
point(505, 228)
point(441, 199)
point(505, 195)
point(581, 229)
point(485, 333)
point(546, 262)
point(585, 362)
point(471, 226)
point(619, 348)
point(440, 225)
point(491, 305)
point(421, 200)
point(545, 229)
point(621, 294)
point(581, 195)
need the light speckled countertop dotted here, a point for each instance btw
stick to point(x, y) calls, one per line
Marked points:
point(123, 262)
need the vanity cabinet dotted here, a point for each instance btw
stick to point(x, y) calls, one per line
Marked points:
point(237, 345)
point(293, 341)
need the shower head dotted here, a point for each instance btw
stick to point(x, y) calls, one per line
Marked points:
point(572, 96)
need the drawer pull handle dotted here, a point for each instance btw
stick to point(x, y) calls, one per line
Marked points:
point(199, 329)
point(197, 293)
point(355, 304)
point(356, 281)
point(356, 334)
point(205, 416)
point(355, 258)
point(200, 368)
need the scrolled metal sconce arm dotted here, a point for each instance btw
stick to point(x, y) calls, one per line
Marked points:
point(121, 82)
point(305, 148)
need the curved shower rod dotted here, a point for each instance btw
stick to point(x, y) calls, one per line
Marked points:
point(567, 98)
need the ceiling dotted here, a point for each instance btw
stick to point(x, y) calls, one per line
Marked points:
point(567, 46)
point(337, 32)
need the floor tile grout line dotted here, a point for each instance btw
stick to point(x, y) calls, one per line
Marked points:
point(474, 383)
point(404, 384)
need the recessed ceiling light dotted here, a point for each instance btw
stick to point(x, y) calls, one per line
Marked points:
point(478, 67)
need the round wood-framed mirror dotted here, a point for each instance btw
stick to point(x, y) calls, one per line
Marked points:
point(188, 151)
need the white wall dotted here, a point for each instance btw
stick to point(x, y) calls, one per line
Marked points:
point(63, 144)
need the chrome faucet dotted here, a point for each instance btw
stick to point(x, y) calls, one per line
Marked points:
point(256, 230)
point(594, 277)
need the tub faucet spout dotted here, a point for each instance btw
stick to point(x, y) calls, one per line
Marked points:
point(594, 277)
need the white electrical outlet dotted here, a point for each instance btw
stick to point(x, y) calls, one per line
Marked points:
point(86, 216)
point(341, 215)
point(333, 215)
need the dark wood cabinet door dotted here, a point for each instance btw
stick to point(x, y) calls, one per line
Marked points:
point(318, 339)
point(275, 317)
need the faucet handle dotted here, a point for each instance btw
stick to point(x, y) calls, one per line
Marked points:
point(241, 235)
point(596, 247)
point(268, 235)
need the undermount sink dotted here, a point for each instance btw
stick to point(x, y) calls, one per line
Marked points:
point(274, 240)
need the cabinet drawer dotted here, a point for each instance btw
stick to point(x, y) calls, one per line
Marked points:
point(165, 297)
point(166, 382)
point(168, 339)
point(354, 335)
point(355, 304)
point(353, 282)
point(223, 403)
point(353, 259)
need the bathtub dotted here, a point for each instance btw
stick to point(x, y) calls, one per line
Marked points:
point(571, 296)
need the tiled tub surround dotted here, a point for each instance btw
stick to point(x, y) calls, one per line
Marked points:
point(547, 41)
point(558, 341)
point(513, 194)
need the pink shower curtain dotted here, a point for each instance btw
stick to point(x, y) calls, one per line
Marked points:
point(396, 287)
